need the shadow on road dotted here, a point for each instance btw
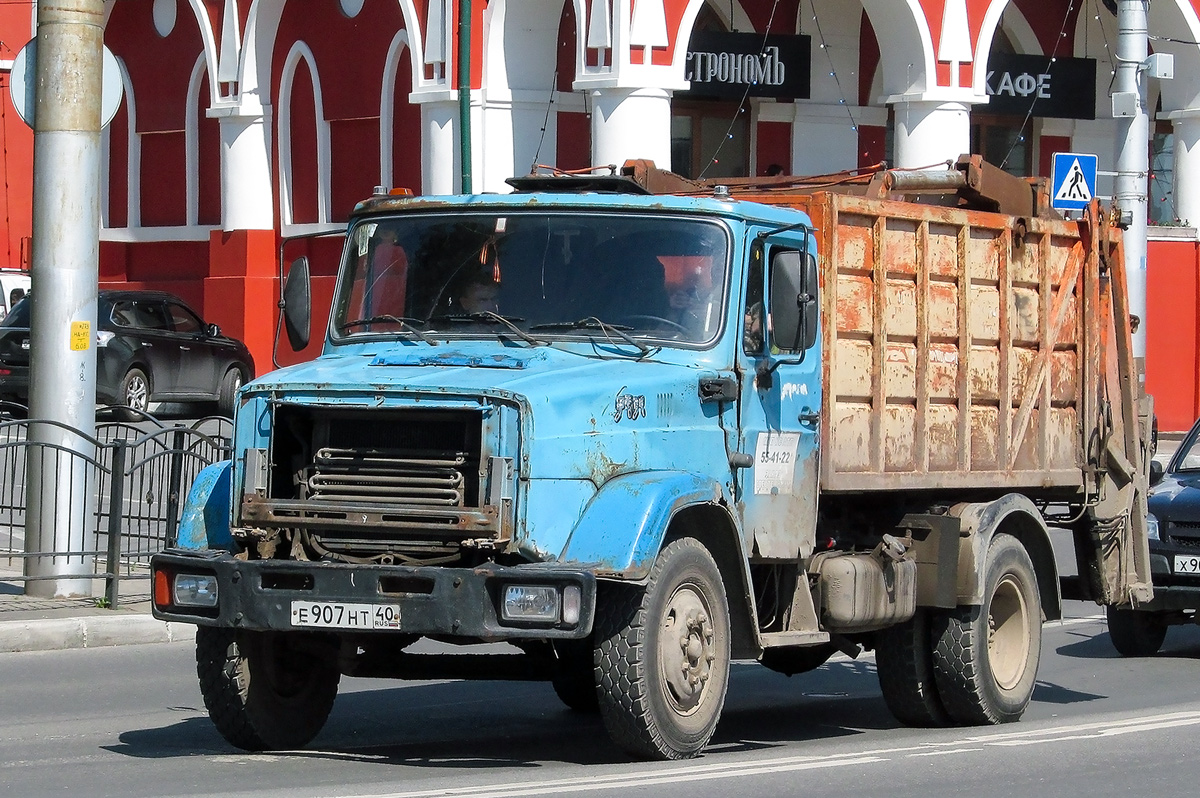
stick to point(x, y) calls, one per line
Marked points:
point(520, 724)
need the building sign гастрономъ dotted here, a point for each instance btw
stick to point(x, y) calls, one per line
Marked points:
point(737, 64)
point(1062, 87)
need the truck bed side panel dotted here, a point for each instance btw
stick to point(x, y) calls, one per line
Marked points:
point(956, 347)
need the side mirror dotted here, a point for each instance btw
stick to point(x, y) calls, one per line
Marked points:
point(214, 331)
point(785, 308)
point(297, 304)
point(1156, 472)
point(793, 300)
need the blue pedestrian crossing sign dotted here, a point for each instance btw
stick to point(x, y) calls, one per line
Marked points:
point(1072, 181)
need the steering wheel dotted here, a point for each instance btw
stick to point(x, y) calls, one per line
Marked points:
point(658, 320)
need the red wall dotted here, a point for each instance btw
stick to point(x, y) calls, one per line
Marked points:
point(16, 144)
point(1173, 332)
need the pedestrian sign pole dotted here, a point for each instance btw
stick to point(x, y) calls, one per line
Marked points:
point(1073, 180)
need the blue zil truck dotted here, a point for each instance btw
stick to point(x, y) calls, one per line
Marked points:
point(639, 427)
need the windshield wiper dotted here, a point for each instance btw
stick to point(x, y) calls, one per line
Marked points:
point(406, 324)
point(495, 318)
point(591, 322)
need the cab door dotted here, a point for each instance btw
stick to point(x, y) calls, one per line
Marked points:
point(780, 397)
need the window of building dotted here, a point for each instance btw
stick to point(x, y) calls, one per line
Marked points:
point(1162, 176)
point(710, 139)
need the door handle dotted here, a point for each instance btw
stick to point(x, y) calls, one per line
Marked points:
point(809, 418)
point(186, 348)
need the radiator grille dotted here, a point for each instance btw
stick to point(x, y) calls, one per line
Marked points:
point(388, 476)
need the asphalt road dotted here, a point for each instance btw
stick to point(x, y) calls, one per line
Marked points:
point(129, 721)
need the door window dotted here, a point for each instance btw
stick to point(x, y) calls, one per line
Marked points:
point(183, 320)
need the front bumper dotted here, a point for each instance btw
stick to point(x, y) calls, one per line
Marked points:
point(455, 602)
point(1172, 591)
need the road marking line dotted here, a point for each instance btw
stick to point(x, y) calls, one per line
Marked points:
point(944, 753)
point(672, 775)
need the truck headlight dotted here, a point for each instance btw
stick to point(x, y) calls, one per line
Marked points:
point(538, 603)
point(195, 590)
point(1152, 526)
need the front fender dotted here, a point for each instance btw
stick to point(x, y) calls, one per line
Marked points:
point(622, 527)
point(205, 520)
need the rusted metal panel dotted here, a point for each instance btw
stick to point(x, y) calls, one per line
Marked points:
point(956, 347)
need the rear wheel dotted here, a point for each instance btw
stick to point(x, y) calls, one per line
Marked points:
point(227, 393)
point(135, 395)
point(262, 691)
point(904, 662)
point(985, 658)
point(1136, 633)
point(662, 655)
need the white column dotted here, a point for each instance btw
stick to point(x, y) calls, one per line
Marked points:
point(1186, 125)
point(631, 123)
point(931, 132)
point(824, 137)
point(246, 190)
point(439, 147)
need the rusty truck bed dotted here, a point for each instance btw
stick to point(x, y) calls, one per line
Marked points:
point(961, 346)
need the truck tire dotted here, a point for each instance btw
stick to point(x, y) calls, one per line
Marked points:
point(262, 693)
point(224, 683)
point(904, 662)
point(662, 655)
point(1135, 633)
point(985, 658)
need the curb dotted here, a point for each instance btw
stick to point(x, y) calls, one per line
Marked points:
point(55, 634)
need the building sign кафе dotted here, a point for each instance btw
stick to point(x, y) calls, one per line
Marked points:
point(748, 64)
point(1059, 87)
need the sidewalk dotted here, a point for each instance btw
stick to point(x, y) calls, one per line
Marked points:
point(41, 624)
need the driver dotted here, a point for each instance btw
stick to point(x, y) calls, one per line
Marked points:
point(480, 293)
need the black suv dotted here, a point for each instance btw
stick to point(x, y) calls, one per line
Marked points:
point(150, 347)
point(1174, 524)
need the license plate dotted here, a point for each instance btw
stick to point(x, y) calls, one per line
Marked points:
point(1187, 564)
point(330, 615)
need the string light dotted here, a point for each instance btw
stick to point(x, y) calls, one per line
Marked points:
point(832, 68)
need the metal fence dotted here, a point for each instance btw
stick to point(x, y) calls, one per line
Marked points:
point(133, 476)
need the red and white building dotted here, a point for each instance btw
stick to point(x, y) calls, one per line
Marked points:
point(248, 121)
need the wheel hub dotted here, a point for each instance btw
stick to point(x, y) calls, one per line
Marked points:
point(1008, 633)
point(686, 649)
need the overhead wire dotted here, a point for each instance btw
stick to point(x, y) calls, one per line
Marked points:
point(713, 159)
point(1020, 137)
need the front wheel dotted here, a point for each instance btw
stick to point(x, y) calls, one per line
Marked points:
point(662, 655)
point(135, 395)
point(227, 393)
point(985, 658)
point(1135, 633)
point(261, 691)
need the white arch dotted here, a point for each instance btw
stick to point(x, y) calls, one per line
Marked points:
point(258, 43)
point(1181, 20)
point(902, 31)
point(987, 35)
point(191, 135)
point(300, 52)
point(133, 148)
point(207, 38)
point(387, 107)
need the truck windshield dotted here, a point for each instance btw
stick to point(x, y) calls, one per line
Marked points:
point(556, 276)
